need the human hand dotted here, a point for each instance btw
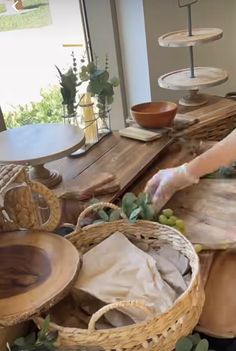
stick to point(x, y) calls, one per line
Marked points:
point(163, 185)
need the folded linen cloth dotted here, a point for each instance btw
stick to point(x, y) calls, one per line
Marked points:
point(116, 270)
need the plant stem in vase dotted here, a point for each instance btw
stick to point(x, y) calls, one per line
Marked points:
point(103, 116)
point(90, 123)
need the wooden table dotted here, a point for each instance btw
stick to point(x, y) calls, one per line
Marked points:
point(134, 162)
point(37, 144)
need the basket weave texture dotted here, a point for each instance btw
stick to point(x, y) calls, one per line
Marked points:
point(20, 198)
point(158, 332)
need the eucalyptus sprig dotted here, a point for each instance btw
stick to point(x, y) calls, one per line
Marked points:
point(134, 207)
point(99, 84)
point(42, 341)
point(192, 343)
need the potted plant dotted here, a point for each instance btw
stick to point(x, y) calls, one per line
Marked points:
point(68, 87)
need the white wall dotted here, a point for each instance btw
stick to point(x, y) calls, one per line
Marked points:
point(133, 50)
point(162, 16)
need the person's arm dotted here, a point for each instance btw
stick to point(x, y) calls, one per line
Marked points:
point(165, 183)
point(221, 154)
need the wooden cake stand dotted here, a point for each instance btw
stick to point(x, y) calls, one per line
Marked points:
point(204, 77)
point(181, 38)
point(36, 144)
point(193, 78)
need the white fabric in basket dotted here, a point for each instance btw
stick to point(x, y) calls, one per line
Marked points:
point(116, 270)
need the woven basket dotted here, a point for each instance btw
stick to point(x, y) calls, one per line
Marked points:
point(215, 130)
point(21, 199)
point(159, 332)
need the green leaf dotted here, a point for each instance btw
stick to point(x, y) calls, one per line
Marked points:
point(115, 81)
point(114, 216)
point(148, 212)
point(30, 339)
point(142, 199)
point(43, 332)
point(110, 100)
point(93, 201)
point(134, 214)
point(203, 345)
point(129, 203)
point(107, 89)
point(103, 215)
point(184, 344)
point(95, 87)
point(20, 342)
point(91, 67)
point(98, 221)
point(195, 338)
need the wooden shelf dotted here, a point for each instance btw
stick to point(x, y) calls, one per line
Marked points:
point(181, 38)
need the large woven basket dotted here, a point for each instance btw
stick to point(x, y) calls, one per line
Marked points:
point(159, 332)
point(21, 202)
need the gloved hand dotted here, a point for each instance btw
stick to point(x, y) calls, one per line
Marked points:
point(162, 186)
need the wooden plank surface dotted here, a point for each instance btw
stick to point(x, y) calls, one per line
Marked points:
point(70, 168)
point(127, 159)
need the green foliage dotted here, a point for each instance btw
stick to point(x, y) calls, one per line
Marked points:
point(134, 207)
point(192, 343)
point(48, 110)
point(223, 172)
point(2, 8)
point(68, 90)
point(38, 17)
point(42, 341)
point(99, 84)
point(139, 207)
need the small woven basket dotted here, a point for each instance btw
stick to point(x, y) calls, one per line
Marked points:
point(20, 201)
point(160, 332)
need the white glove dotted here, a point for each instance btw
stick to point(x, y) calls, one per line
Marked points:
point(162, 186)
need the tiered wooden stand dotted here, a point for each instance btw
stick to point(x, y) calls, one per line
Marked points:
point(194, 78)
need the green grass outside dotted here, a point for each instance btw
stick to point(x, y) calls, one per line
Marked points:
point(2, 8)
point(38, 17)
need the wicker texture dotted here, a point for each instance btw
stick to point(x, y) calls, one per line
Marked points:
point(158, 332)
point(20, 199)
point(214, 130)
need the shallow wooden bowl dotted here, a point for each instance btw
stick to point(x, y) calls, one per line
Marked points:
point(154, 114)
point(36, 270)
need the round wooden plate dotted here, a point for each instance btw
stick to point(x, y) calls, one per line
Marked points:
point(37, 269)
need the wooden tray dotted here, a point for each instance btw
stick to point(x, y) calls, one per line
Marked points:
point(36, 271)
point(209, 211)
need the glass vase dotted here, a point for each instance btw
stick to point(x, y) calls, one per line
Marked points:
point(88, 118)
point(103, 116)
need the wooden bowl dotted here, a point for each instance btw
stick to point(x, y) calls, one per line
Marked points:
point(154, 114)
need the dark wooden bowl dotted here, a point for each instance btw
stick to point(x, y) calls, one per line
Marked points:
point(154, 114)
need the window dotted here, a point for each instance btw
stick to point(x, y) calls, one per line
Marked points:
point(35, 38)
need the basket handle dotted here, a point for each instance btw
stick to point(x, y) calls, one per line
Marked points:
point(97, 206)
point(53, 204)
point(120, 304)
